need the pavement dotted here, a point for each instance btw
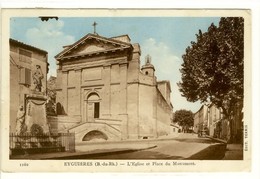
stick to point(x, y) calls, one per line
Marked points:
point(233, 151)
point(91, 150)
point(94, 149)
point(181, 146)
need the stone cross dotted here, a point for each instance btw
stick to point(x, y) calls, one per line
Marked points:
point(94, 24)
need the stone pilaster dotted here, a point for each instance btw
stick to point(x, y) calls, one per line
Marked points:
point(65, 90)
point(123, 100)
point(106, 98)
point(78, 92)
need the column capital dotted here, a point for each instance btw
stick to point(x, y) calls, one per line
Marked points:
point(65, 71)
point(123, 63)
point(77, 69)
point(106, 65)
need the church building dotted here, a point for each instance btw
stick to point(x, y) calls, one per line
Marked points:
point(104, 93)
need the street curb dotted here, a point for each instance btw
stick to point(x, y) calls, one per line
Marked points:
point(105, 153)
point(216, 139)
point(83, 154)
point(128, 141)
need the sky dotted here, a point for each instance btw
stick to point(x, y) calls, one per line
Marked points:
point(163, 38)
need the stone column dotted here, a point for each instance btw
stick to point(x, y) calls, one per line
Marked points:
point(65, 91)
point(123, 100)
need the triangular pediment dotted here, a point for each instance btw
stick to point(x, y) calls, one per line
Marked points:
point(90, 49)
point(91, 44)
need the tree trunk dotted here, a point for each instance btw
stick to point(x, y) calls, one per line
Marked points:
point(234, 116)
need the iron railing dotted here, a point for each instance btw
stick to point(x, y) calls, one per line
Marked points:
point(41, 143)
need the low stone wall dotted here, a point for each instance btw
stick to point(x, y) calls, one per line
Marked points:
point(62, 123)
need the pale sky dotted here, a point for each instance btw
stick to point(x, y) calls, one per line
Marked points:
point(163, 38)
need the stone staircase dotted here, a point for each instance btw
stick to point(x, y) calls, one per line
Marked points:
point(110, 127)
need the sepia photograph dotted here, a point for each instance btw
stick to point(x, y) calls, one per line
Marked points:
point(128, 90)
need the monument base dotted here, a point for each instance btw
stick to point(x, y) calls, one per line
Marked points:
point(35, 117)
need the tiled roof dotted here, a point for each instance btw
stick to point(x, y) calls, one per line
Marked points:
point(12, 41)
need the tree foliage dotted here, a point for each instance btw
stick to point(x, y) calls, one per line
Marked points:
point(183, 118)
point(51, 93)
point(213, 66)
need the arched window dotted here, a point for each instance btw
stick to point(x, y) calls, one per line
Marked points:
point(93, 97)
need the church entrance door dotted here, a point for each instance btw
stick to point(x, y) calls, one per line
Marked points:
point(93, 107)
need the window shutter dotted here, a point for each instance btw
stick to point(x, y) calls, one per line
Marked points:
point(25, 76)
point(22, 75)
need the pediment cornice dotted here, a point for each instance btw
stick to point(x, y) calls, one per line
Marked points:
point(91, 45)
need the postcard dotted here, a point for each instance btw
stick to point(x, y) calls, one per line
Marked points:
point(126, 90)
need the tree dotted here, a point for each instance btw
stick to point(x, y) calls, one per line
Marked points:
point(51, 93)
point(184, 118)
point(213, 67)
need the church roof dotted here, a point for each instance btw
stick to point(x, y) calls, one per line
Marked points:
point(123, 38)
point(148, 66)
point(167, 82)
point(117, 42)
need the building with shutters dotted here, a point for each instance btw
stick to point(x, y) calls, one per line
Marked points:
point(212, 118)
point(104, 93)
point(201, 119)
point(28, 72)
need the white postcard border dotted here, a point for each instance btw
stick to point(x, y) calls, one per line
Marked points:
point(59, 166)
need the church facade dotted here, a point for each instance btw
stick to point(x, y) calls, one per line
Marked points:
point(104, 92)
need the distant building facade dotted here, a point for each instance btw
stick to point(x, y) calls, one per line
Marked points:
point(211, 118)
point(196, 122)
point(28, 69)
point(102, 91)
point(175, 128)
point(201, 119)
point(215, 115)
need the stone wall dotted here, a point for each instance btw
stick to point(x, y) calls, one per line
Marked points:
point(163, 87)
point(147, 105)
point(164, 114)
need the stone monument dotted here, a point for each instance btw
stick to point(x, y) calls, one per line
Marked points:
point(35, 116)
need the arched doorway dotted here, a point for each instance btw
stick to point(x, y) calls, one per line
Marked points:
point(95, 135)
point(93, 107)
